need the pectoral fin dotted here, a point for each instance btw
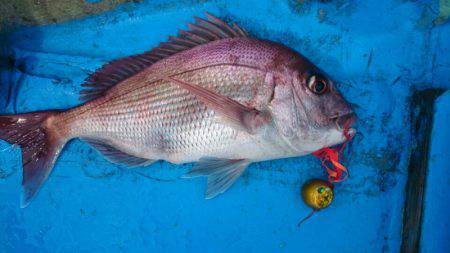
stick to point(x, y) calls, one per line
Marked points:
point(221, 173)
point(239, 115)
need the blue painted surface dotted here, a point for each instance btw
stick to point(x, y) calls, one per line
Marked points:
point(380, 52)
point(436, 221)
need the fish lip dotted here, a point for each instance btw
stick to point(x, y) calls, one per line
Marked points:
point(345, 121)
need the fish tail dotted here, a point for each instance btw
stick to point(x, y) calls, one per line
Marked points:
point(41, 142)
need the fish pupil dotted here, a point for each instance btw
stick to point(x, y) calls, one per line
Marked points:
point(320, 87)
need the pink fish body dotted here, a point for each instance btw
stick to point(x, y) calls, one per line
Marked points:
point(212, 95)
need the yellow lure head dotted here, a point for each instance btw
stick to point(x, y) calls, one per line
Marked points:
point(317, 193)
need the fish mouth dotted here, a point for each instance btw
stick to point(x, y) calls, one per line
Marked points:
point(344, 123)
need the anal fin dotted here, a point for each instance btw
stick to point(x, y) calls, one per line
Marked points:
point(116, 156)
point(221, 173)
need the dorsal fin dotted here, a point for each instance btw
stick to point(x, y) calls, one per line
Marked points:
point(201, 32)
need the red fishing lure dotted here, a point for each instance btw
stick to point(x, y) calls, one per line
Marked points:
point(337, 172)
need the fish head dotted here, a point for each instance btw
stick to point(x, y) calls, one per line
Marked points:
point(308, 108)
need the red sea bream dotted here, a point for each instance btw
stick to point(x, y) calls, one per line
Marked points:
point(212, 95)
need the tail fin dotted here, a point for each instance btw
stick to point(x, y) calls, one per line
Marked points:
point(40, 144)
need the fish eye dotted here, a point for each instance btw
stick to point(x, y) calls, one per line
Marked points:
point(317, 84)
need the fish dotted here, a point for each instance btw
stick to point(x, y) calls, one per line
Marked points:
point(213, 95)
